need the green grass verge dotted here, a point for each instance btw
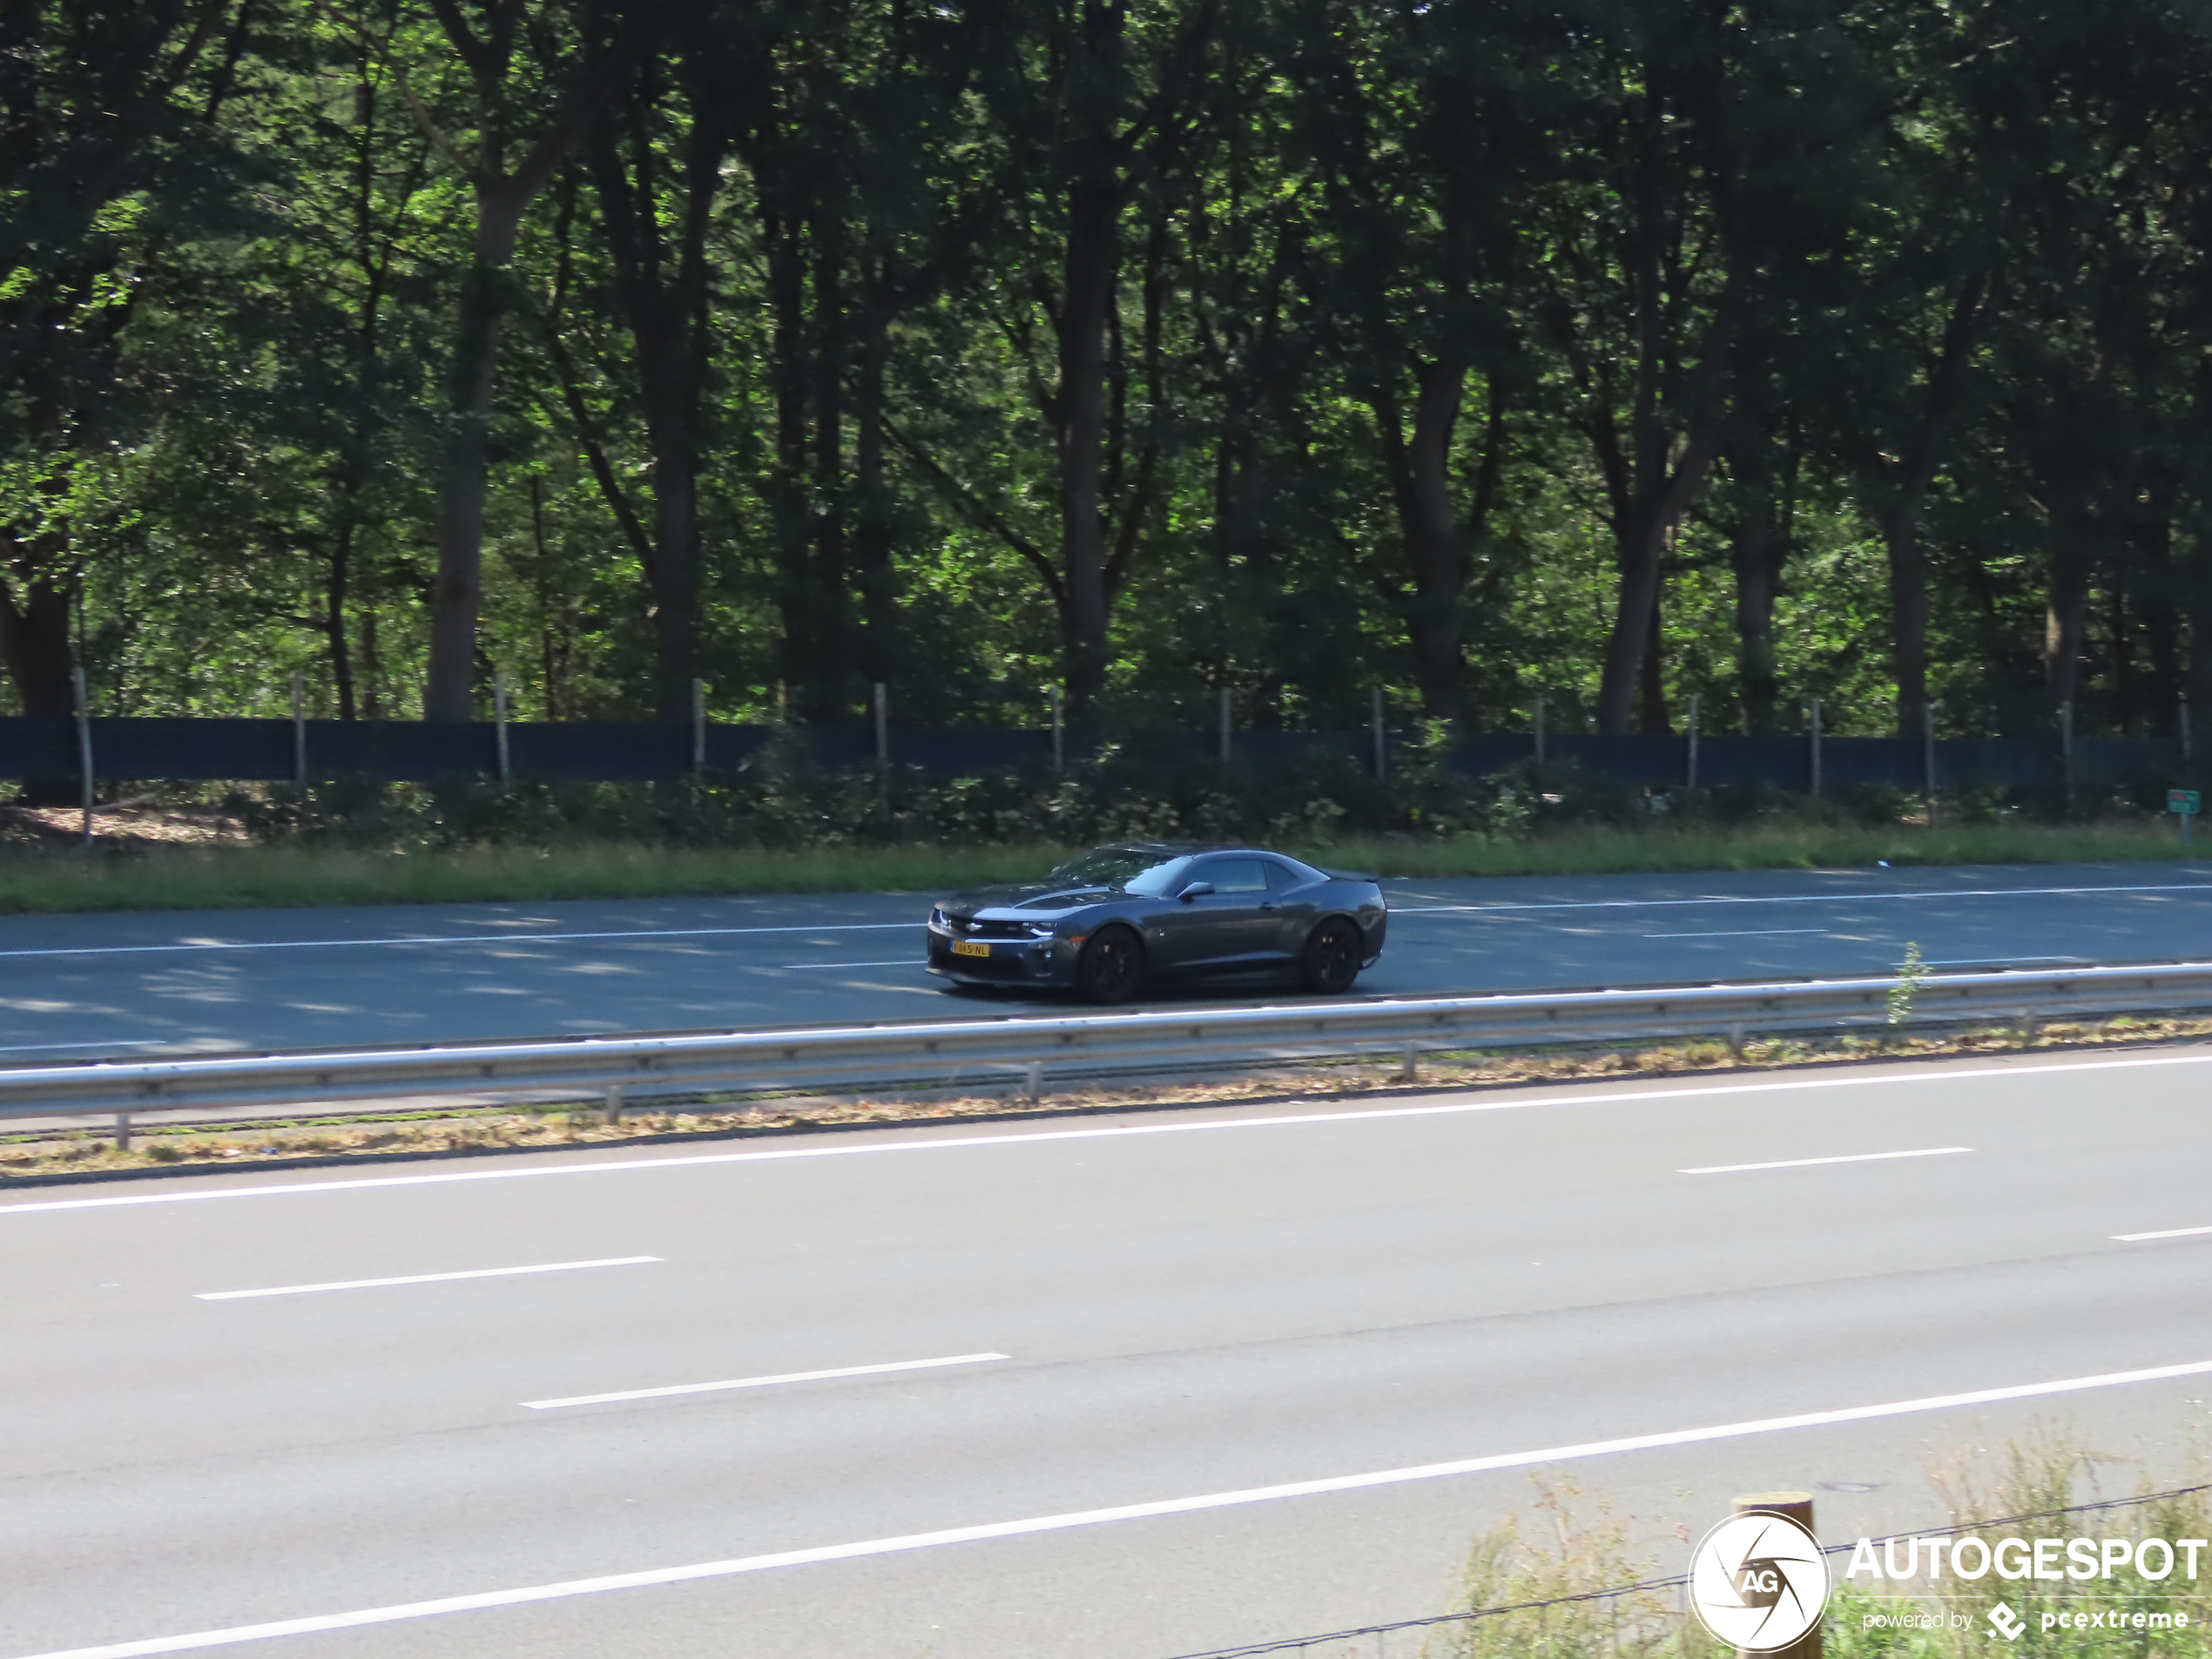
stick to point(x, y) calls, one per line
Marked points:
point(241, 877)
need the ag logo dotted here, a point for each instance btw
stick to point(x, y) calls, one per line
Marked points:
point(1758, 1582)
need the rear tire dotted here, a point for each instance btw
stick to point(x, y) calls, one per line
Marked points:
point(1332, 952)
point(1112, 967)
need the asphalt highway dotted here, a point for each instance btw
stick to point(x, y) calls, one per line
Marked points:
point(1096, 1389)
point(83, 985)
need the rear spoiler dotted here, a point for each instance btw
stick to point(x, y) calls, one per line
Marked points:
point(1352, 875)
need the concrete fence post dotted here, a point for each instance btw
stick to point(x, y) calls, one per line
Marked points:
point(298, 728)
point(83, 745)
point(499, 722)
point(1816, 748)
point(1790, 1506)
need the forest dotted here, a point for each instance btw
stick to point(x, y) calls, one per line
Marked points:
point(1616, 352)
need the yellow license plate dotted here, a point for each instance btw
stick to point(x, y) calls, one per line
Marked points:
point(970, 947)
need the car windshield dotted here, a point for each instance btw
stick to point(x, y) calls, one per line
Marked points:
point(1120, 866)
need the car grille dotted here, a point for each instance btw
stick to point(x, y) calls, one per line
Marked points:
point(992, 929)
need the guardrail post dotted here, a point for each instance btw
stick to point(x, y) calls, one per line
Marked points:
point(1816, 748)
point(1735, 1043)
point(1033, 1080)
point(1409, 1064)
point(84, 746)
point(298, 728)
point(613, 1099)
point(122, 1131)
point(1790, 1506)
point(499, 716)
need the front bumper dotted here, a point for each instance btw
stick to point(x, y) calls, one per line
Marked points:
point(1046, 962)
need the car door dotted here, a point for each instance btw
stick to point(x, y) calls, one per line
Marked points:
point(1233, 927)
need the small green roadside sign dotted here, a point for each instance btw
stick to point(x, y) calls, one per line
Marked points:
point(2187, 802)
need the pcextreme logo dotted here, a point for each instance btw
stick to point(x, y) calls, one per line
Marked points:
point(1758, 1582)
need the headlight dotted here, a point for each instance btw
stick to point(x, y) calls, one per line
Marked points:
point(1039, 929)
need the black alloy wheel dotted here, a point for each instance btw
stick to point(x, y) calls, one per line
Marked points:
point(1331, 957)
point(1112, 967)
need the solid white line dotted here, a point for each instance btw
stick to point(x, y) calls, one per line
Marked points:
point(1807, 1164)
point(1798, 898)
point(2171, 1232)
point(903, 961)
point(420, 1278)
point(1743, 933)
point(1099, 1517)
point(459, 938)
point(761, 1382)
point(959, 1142)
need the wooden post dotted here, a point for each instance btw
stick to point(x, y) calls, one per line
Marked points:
point(298, 728)
point(1225, 710)
point(83, 745)
point(1791, 1506)
point(699, 725)
point(1690, 777)
point(1382, 738)
point(1059, 733)
point(499, 719)
point(1816, 748)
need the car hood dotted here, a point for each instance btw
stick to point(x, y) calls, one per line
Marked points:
point(1032, 896)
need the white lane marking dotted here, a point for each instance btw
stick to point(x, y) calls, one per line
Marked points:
point(1994, 961)
point(1741, 933)
point(2170, 1233)
point(458, 939)
point(761, 1382)
point(1807, 1164)
point(957, 1143)
point(903, 961)
point(1796, 897)
point(421, 1278)
point(405, 1610)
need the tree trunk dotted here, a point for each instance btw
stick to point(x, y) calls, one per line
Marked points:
point(458, 596)
point(786, 488)
point(34, 636)
point(1435, 553)
point(872, 528)
point(1094, 212)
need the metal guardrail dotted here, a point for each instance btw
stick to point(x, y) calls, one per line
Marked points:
point(1084, 1046)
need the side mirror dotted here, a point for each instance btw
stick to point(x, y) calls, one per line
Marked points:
point(1194, 890)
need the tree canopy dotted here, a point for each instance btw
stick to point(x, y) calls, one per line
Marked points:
point(1613, 351)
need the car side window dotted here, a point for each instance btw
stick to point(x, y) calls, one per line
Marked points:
point(1279, 876)
point(1233, 875)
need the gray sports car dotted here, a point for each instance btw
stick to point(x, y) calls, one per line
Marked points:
point(1146, 913)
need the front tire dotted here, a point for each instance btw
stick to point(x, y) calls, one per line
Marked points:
point(1332, 954)
point(1112, 967)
